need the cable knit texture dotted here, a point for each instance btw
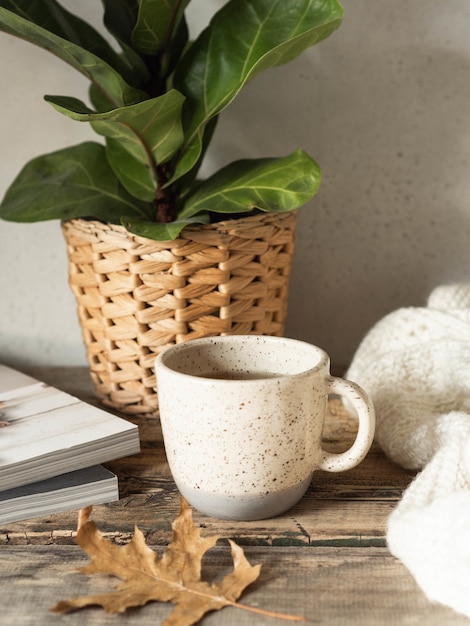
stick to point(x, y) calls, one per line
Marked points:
point(415, 365)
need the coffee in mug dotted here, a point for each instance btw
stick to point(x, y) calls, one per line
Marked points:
point(242, 420)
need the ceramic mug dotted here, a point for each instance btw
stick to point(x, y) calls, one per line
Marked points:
point(242, 420)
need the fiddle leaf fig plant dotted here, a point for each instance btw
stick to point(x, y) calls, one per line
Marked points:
point(154, 99)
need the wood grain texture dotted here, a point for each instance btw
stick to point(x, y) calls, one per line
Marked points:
point(330, 586)
point(325, 559)
point(349, 508)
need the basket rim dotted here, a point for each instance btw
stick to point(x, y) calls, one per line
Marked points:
point(228, 226)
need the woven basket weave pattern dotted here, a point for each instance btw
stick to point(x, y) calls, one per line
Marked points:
point(136, 296)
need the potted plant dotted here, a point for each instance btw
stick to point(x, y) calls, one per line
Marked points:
point(156, 254)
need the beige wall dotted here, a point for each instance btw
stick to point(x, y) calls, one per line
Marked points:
point(383, 106)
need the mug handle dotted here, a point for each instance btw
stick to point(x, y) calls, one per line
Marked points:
point(334, 462)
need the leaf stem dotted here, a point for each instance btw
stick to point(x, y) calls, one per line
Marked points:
point(253, 609)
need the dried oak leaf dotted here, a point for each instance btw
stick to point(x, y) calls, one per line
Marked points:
point(174, 577)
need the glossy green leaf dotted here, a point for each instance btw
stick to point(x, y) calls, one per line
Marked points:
point(244, 38)
point(119, 18)
point(184, 184)
point(53, 17)
point(278, 185)
point(159, 231)
point(134, 175)
point(149, 133)
point(98, 99)
point(157, 22)
point(69, 183)
point(155, 143)
point(116, 90)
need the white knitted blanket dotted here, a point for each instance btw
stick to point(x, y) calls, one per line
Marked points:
point(415, 365)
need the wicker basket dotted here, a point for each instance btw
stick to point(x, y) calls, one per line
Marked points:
point(136, 296)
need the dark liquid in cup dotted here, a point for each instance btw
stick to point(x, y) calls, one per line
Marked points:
point(240, 375)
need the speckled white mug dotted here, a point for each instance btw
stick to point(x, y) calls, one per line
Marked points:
point(242, 420)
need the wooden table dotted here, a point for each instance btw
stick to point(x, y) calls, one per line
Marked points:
point(326, 559)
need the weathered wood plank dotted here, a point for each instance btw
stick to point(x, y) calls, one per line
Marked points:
point(335, 587)
point(349, 508)
point(324, 559)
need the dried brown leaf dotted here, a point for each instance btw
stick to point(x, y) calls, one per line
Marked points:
point(174, 577)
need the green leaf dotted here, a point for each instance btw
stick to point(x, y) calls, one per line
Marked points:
point(51, 16)
point(132, 174)
point(185, 184)
point(244, 38)
point(156, 24)
point(98, 99)
point(159, 231)
point(117, 91)
point(119, 18)
point(72, 182)
point(276, 185)
point(149, 133)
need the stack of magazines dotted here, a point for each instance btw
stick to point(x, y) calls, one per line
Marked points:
point(52, 446)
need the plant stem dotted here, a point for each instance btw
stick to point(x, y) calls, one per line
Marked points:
point(164, 199)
